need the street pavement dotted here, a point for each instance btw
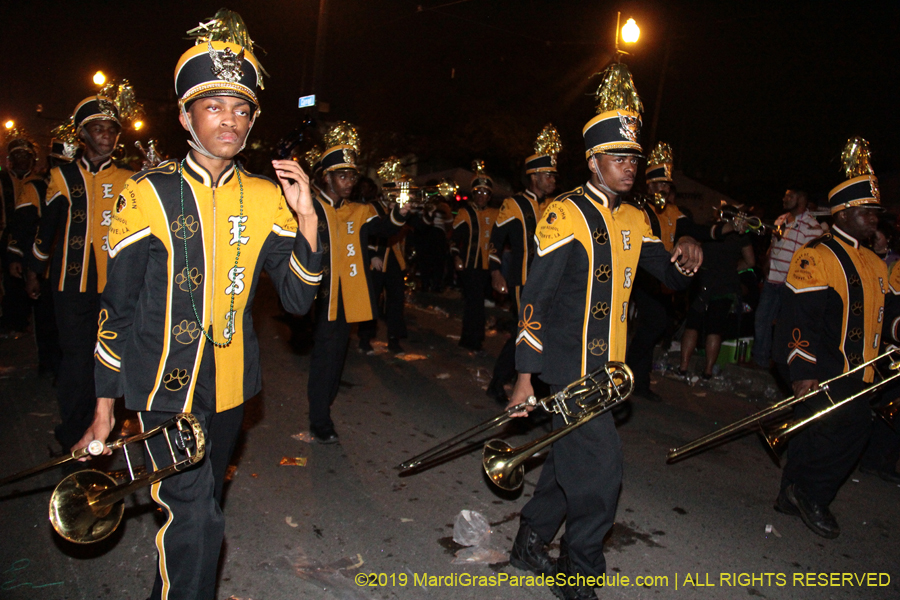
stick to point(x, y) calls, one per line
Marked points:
point(345, 525)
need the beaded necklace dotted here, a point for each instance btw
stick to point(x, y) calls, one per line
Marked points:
point(228, 334)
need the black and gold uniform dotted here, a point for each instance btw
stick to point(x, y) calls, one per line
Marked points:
point(515, 225)
point(837, 300)
point(72, 238)
point(470, 243)
point(345, 294)
point(574, 319)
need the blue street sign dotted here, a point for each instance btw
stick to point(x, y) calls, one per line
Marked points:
point(306, 101)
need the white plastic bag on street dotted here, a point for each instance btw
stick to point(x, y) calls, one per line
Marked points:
point(471, 529)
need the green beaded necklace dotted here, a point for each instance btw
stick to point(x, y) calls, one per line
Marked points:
point(184, 230)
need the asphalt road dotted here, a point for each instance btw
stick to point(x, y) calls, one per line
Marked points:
point(702, 528)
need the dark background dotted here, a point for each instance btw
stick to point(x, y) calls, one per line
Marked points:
point(757, 96)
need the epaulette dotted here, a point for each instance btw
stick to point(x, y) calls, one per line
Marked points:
point(167, 168)
point(815, 242)
point(255, 176)
point(579, 191)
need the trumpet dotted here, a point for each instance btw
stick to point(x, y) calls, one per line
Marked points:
point(87, 506)
point(657, 200)
point(404, 192)
point(577, 403)
point(755, 224)
point(778, 435)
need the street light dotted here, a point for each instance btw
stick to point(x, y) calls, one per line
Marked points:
point(138, 124)
point(630, 32)
point(99, 78)
point(9, 124)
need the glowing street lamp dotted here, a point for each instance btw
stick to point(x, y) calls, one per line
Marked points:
point(99, 78)
point(138, 125)
point(9, 124)
point(630, 32)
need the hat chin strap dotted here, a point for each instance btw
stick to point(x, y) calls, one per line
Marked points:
point(197, 145)
point(603, 186)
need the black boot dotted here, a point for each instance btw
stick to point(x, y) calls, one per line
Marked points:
point(566, 567)
point(528, 552)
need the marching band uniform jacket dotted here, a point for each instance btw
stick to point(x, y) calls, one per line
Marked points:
point(25, 219)
point(150, 345)
point(345, 230)
point(471, 237)
point(78, 208)
point(831, 320)
point(391, 248)
point(575, 303)
point(516, 224)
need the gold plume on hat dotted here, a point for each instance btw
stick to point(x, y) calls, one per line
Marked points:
point(19, 133)
point(122, 95)
point(342, 134)
point(616, 90)
point(478, 167)
point(312, 156)
point(67, 136)
point(661, 154)
point(548, 141)
point(227, 26)
point(391, 170)
point(855, 158)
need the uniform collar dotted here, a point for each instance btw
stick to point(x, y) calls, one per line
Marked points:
point(199, 173)
point(845, 237)
point(90, 167)
point(531, 196)
point(333, 203)
point(596, 195)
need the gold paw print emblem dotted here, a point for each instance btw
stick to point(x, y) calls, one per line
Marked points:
point(322, 226)
point(186, 332)
point(601, 236)
point(856, 308)
point(603, 273)
point(326, 271)
point(77, 191)
point(195, 278)
point(597, 347)
point(176, 380)
point(855, 334)
point(79, 216)
point(77, 242)
point(186, 231)
point(855, 359)
point(73, 269)
point(324, 247)
point(600, 310)
point(855, 281)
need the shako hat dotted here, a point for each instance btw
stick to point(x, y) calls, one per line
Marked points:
point(481, 178)
point(64, 143)
point(616, 129)
point(391, 172)
point(546, 148)
point(659, 163)
point(95, 108)
point(18, 140)
point(221, 63)
point(861, 187)
point(341, 148)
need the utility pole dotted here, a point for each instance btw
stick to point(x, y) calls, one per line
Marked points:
point(319, 61)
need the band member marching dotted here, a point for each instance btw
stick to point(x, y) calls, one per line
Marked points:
point(188, 241)
point(573, 319)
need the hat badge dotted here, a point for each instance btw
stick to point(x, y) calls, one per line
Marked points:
point(106, 107)
point(227, 65)
point(876, 192)
point(630, 127)
point(349, 156)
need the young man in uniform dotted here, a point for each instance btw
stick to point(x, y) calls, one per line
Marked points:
point(188, 241)
point(344, 296)
point(77, 213)
point(470, 247)
point(515, 225)
point(573, 320)
point(832, 318)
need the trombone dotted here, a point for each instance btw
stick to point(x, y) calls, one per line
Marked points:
point(87, 506)
point(577, 403)
point(777, 436)
point(756, 225)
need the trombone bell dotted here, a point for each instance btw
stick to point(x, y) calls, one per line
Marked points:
point(75, 513)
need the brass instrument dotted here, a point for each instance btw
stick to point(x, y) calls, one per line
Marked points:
point(592, 395)
point(755, 224)
point(87, 505)
point(151, 154)
point(777, 436)
point(657, 201)
point(404, 192)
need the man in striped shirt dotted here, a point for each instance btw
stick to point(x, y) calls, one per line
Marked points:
point(798, 227)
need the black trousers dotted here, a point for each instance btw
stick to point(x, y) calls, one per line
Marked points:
point(505, 367)
point(579, 484)
point(76, 319)
point(190, 541)
point(46, 333)
point(16, 304)
point(391, 281)
point(326, 364)
point(883, 450)
point(648, 327)
point(474, 282)
point(821, 456)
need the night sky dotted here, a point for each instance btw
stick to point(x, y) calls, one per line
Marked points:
point(758, 96)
